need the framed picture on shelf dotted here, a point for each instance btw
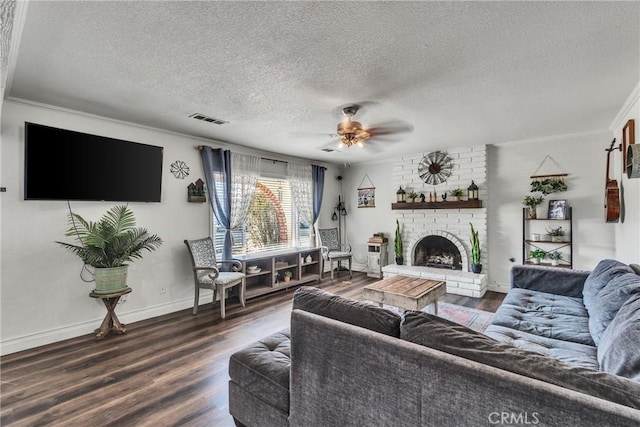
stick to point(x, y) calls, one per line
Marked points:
point(557, 209)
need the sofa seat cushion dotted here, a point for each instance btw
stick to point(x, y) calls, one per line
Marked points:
point(552, 316)
point(609, 300)
point(357, 313)
point(262, 369)
point(619, 349)
point(576, 354)
point(452, 338)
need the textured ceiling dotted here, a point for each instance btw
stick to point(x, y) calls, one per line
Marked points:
point(460, 73)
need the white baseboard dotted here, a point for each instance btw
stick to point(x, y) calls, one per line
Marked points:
point(25, 342)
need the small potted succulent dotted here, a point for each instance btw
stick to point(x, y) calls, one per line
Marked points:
point(554, 257)
point(287, 275)
point(537, 255)
point(456, 194)
point(412, 196)
point(556, 234)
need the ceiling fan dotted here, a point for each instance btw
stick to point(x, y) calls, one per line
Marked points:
point(350, 132)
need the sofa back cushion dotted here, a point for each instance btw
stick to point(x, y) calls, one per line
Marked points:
point(609, 300)
point(619, 349)
point(606, 270)
point(347, 310)
point(441, 334)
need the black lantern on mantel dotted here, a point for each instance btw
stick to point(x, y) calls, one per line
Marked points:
point(402, 195)
point(472, 191)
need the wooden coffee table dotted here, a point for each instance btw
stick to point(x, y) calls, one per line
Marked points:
point(410, 293)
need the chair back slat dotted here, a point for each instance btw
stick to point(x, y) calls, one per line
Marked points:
point(202, 252)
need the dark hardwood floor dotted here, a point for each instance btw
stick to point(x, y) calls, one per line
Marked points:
point(166, 371)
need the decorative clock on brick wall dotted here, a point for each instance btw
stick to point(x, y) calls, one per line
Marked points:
point(435, 167)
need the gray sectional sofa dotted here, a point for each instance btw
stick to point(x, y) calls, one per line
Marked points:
point(562, 350)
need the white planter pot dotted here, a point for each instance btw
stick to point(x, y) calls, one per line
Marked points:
point(554, 262)
point(535, 260)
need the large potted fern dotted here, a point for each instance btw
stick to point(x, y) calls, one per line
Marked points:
point(107, 246)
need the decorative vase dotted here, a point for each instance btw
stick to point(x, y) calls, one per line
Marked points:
point(399, 260)
point(532, 213)
point(111, 280)
point(476, 268)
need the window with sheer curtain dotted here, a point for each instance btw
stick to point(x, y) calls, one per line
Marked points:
point(272, 222)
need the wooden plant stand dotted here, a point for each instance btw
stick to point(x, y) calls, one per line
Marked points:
point(110, 322)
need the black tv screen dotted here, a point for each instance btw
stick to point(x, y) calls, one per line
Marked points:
point(66, 165)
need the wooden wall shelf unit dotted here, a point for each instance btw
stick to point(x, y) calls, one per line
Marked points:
point(462, 204)
point(539, 225)
point(273, 265)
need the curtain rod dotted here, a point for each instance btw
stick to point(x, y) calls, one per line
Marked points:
point(200, 147)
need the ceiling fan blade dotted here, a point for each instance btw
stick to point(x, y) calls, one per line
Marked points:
point(391, 127)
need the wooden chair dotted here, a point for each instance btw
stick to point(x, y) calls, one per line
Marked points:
point(207, 274)
point(333, 250)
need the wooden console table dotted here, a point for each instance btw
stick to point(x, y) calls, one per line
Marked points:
point(110, 322)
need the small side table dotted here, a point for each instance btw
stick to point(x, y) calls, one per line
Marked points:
point(110, 322)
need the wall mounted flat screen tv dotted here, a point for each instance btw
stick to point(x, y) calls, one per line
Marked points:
point(66, 165)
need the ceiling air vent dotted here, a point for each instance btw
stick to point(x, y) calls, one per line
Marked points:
point(328, 150)
point(208, 119)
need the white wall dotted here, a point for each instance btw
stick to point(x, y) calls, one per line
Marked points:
point(43, 298)
point(510, 168)
point(628, 230)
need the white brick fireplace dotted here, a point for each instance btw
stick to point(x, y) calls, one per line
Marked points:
point(468, 164)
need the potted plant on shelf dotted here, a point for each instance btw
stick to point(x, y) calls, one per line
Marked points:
point(554, 257)
point(537, 255)
point(556, 234)
point(107, 245)
point(457, 194)
point(398, 245)
point(287, 275)
point(532, 203)
point(476, 267)
point(412, 196)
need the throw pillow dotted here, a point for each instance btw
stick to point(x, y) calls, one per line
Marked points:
point(619, 349)
point(608, 302)
point(606, 270)
point(347, 310)
point(444, 335)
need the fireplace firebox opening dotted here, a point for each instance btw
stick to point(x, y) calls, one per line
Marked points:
point(437, 251)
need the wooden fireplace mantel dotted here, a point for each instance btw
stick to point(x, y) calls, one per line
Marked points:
point(462, 204)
